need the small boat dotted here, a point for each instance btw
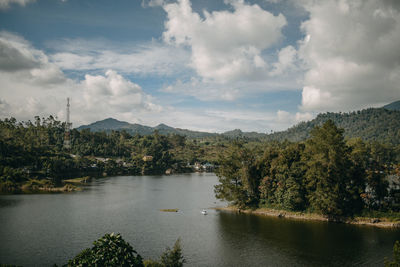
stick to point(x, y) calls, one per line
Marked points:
point(204, 212)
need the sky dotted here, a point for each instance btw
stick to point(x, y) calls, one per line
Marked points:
point(208, 65)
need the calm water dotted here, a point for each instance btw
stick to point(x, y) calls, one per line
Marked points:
point(40, 230)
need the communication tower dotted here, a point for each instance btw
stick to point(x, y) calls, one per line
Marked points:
point(67, 134)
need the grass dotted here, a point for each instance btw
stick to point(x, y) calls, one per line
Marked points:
point(169, 210)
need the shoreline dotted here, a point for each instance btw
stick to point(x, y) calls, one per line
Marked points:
point(375, 222)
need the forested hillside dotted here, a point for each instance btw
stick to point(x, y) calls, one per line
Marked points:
point(374, 124)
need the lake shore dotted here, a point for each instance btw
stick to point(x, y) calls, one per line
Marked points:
point(376, 222)
point(44, 186)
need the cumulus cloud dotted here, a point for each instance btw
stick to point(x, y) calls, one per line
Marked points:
point(5, 4)
point(22, 61)
point(115, 93)
point(17, 54)
point(225, 45)
point(33, 85)
point(287, 60)
point(286, 119)
point(352, 53)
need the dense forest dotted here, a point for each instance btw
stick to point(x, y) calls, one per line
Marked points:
point(33, 155)
point(374, 124)
point(324, 174)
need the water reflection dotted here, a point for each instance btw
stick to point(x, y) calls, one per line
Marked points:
point(8, 202)
point(303, 243)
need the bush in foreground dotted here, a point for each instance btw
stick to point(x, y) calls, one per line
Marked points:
point(112, 250)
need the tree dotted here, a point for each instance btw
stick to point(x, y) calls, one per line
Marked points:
point(329, 181)
point(238, 176)
point(173, 257)
point(109, 250)
point(396, 256)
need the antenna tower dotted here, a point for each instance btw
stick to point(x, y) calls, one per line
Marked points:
point(67, 136)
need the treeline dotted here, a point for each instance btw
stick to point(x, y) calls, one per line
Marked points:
point(34, 150)
point(324, 174)
point(373, 124)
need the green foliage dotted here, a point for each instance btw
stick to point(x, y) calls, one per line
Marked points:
point(373, 124)
point(237, 175)
point(172, 257)
point(283, 185)
point(333, 190)
point(109, 250)
point(325, 174)
point(396, 256)
point(35, 151)
point(112, 250)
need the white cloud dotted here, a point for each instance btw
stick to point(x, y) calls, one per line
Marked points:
point(286, 119)
point(35, 86)
point(352, 53)
point(5, 4)
point(287, 58)
point(152, 3)
point(4, 108)
point(204, 90)
point(114, 93)
point(226, 46)
point(150, 58)
point(221, 120)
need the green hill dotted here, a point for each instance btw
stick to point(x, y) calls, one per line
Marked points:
point(373, 124)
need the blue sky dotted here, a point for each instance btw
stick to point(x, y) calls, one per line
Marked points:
point(201, 64)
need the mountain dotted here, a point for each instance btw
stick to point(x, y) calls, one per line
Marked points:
point(373, 124)
point(238, 133)
point(393, 106)
point(111, 124)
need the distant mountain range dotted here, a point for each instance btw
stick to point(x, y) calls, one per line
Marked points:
point(111, 124)
point(380, 124)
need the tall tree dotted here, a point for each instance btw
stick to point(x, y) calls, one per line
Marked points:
point(329, 181)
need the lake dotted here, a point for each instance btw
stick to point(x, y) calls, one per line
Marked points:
point(43, 229)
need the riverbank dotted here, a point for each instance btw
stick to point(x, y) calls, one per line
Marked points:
point(370, 221)
point(35, 186)
point(46, 186)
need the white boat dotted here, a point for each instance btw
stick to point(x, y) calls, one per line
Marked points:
point(204, 212)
